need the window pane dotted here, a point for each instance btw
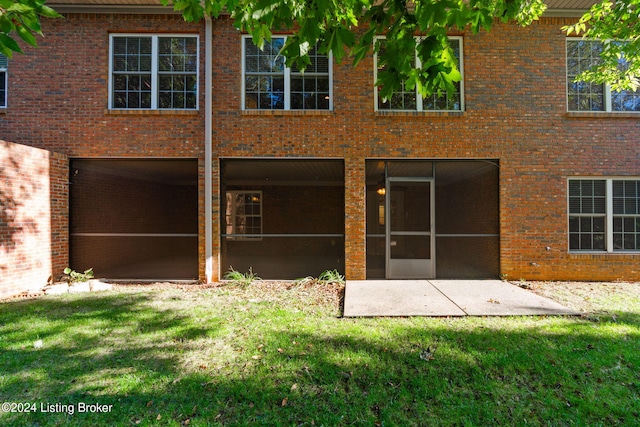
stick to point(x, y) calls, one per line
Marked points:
point(243, 214)
point(581, 96)
point(587, 198)
point(264, 76)
point(177, 65)
point(177, 54)
point(574, 225)
point(133, 72)
point(626, 197)
point(401, 100)
point(310, 91)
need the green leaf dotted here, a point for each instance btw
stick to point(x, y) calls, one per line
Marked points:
point(31, 21)
point(9, 45)
point(26, 35)
point(48, 12)
point(19, 8)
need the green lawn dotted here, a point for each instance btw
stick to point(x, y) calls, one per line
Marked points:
point(266, 355)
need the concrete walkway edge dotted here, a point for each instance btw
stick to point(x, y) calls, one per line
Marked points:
point(445, 298)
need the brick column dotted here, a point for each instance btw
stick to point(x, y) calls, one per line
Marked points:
point(59, 205)
point(355, 219)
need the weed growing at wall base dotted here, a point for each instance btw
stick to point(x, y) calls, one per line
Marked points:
point(241, 279)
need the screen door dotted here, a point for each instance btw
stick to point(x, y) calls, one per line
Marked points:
point(410, 229)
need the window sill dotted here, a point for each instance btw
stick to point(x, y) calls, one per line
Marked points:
point(380, 113)
point(603, 253)
point(281, 113)
point(3, 110)
point(602, 115)
point(152, 112)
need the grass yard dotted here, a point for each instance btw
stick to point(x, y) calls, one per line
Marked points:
point(280, 355)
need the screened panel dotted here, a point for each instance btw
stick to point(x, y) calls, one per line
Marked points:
point(410, 207)
point(135, 219)
point(284, 219)
point(467, 219)
point(467, 239)
point(410, 247)
point(136, 257)
point(376, 217)
point(467, 198)
point(468, 257)
point(285, 257)
point(408, 168)
point(375, 257)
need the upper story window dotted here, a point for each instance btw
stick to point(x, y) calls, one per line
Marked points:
point(268, 84)
point(153, 72)
point(604, 215)
point(411, 100)
point(586, 96)
point(4, 64)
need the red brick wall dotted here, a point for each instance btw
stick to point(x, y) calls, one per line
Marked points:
point(515, 113)
point(515, 96)
point(33, 217)
point(58, 98)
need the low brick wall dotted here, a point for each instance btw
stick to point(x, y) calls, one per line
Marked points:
point(33, 217)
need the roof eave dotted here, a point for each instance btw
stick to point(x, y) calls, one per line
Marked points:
point(119, 9)
point(564, 13)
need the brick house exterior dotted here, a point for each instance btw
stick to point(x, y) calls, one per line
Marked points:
point(514, 128)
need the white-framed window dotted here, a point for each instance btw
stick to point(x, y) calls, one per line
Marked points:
point(604, 214)
point(154, 72)
point(4, 80)
point(243, 215)
point(586, 96)
point(411, 100)
point(268, 84)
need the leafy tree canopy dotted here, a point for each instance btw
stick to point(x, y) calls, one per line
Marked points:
point(348, 27)
point(21, 18)
point(618, 25)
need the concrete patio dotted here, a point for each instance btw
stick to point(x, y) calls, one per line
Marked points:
point(373, 298)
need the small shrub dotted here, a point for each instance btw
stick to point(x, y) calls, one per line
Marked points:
point(305, 281)
point(326, 277)
point(241, 279)
point(73, 276)
point(331, 276)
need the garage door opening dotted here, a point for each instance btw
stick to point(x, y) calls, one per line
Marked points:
point(284, 218)
point(135, 219)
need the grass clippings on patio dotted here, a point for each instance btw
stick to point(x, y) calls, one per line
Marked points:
point(280, 355)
